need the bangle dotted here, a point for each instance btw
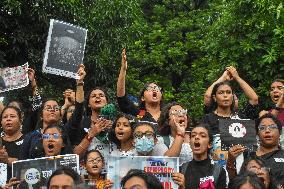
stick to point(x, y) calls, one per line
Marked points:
point(81, 146)
point(80, 83)
point(88, 137)
point(178, 134)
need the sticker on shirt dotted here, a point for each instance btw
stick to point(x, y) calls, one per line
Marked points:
point(206, 183)
point(19, 142)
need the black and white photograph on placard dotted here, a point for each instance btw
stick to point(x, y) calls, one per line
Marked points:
point(34, 173)
point(64, 50)
point(13, 78)
point(237, 132)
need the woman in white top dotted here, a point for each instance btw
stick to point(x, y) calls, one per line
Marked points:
point(172, 126)
point(121, 136)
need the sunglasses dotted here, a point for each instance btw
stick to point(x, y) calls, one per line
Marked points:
point(50, 108)
point(153, 88)
point(181, 112)
point(48, 136)
point(94, 160)
point(147, 134)
point(265, 127)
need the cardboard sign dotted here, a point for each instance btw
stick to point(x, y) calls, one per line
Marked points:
point(34, 173)
point(64, 50)
point(13, 78)
point(161, 167)
point(237, 131)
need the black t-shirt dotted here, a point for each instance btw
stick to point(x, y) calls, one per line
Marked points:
point(275, 161)
point(198, 172)
point(13, 149)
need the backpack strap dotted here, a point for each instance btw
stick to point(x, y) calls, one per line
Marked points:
point(216, 172)
point(167, 140)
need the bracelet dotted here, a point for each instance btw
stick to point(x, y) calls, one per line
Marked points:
point(80, 84)
point(88, 137)
point(81, 146)
point(178, 134)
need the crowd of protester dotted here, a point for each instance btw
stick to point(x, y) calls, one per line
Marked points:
point(151, 128)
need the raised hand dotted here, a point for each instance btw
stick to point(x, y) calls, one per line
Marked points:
point(123, 59)
point(181, 124)
point(69, 97)
point(232, 72)
point(81, 72)
point(31, 75)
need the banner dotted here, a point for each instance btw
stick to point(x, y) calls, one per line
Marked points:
point(237, 131)
point(64, 50)
point(34, 173)
point(161, 167)
point(13, 78)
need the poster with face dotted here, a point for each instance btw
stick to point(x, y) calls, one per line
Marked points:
point(34, 173)
point(237, 132)
point(64, 50)
point(13, 78)
point(161, 167)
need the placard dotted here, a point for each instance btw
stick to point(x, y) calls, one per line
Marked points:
point(161, 167)
point(64, 50)
point(34, 173)
point(3, 175)
point(13, 78)
point(237, 132)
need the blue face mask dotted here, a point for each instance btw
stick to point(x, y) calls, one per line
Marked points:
point(144, 145)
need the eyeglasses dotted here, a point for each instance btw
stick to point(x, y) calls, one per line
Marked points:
point(269, 127)
point(94, 160)
point(153, 88)
point(181, 112)
point(70, 110)
point(147, 134)
point(50, 108)
point(256, 169)
point(48, 136)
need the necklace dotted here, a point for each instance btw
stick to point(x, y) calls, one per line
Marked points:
point(128, 149)
point(12, 138)
point(217, 113)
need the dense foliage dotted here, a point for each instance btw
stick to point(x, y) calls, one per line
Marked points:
point(184, 45)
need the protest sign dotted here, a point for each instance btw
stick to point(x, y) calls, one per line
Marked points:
point(237, 132)
point(34, 173)
point(13, 77)
point(64, 50)
point(3, 175)
point(161, 167)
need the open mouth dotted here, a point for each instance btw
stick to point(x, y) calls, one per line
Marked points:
point(155, 95)
point(120, 134)
point(196, 145)
point(276, 97)
point(50, 146)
